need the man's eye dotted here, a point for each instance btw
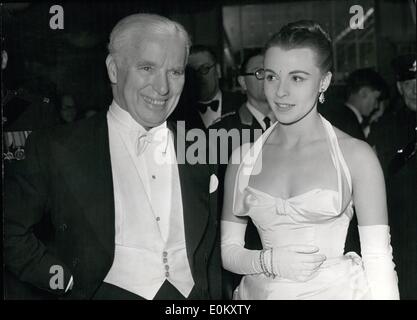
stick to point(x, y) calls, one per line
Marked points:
point(145, 68)
point(177, 73)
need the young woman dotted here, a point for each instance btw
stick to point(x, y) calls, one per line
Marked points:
point(298, 183)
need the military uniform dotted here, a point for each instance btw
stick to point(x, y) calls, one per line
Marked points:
point(394, 138)
point(395, 129)
point(22, 113)
point(241, 119)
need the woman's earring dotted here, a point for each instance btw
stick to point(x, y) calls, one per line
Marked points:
point(321, 97)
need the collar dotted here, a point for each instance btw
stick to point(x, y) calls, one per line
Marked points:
point(355, 111)
point(245, 116)
point(125, 121)
point(259, 116)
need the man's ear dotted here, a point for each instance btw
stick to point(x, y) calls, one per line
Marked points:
point(242, 82)
point(111, 69)
point(325, 82)
point(363, 92)
point(218, 70)
point(4, 59)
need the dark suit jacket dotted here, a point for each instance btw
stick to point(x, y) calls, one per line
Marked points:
point(393, 131)
point(67, 176)
point(241, 119)
point(396, 130)
point(344, 119)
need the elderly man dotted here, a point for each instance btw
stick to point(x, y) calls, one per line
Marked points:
point(126, 225)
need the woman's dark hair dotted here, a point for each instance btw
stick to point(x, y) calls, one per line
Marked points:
point(305, 33)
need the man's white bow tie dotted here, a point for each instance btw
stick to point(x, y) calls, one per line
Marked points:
point(143, 141)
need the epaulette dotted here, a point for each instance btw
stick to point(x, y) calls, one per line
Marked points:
point(231, 113)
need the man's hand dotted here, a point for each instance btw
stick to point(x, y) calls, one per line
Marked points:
point(297, 262)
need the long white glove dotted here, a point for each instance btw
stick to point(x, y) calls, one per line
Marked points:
point(295, 262)
point(379, 267)
point(235, 257)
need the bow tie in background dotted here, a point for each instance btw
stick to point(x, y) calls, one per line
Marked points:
point(213, 105)
point(143, 141)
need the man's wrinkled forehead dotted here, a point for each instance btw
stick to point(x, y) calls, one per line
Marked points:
point(138, 43)
point(198, 59)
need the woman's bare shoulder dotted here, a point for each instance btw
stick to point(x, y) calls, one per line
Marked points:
point(357, 153)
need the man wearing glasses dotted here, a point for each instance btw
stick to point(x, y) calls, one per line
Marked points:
point(256, 116)
point(255, 113)
point(209, 102)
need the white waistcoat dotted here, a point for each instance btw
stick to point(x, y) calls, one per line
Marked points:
point(143, 259)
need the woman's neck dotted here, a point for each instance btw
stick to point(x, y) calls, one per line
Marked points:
point(305, 130)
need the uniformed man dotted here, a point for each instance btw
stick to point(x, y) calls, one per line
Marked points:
point(394, 138)
point(22, 113)
point(396, 128)
point(254, 116)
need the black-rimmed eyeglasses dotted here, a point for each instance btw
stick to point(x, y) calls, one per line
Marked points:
point(258, 73)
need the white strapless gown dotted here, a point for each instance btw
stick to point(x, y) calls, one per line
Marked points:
point(315, 218)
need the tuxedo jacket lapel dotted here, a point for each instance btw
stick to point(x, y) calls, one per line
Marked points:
point(87, 169)
point(194, 181)
point(104, 175)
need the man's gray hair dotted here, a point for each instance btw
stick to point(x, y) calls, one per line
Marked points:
point(140, 24)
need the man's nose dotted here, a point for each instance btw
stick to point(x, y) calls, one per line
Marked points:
point(161, 84)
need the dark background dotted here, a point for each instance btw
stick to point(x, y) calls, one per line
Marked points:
point(53, 62)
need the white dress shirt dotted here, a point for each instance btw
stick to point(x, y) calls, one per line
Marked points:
point(149, 236)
